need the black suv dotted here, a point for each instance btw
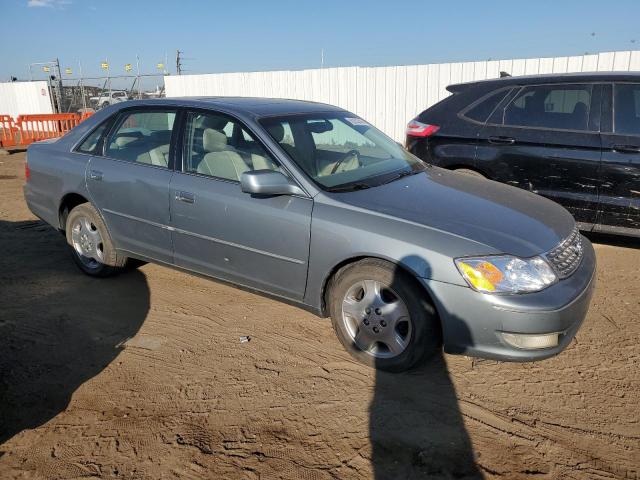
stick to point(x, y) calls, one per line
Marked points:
point(574, 138)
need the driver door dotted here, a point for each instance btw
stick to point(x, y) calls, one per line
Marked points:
point(256, 241)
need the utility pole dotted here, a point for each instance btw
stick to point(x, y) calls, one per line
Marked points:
point(82, 91)
point(59, 86)
point(178, 63)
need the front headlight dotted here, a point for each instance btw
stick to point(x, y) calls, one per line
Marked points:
point(506, 273)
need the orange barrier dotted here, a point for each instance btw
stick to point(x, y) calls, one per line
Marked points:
point(31, 128)
point(7, 131)
point(40, 127)
point(85, 115)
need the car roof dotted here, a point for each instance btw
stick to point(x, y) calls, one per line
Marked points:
point(549, 78)
point(254, 106)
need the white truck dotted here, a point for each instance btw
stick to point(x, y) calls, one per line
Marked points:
point(109, 98)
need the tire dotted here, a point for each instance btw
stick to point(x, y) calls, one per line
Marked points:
point(386, 336)
point(468, 171)
point(104, 105)
point(86, 233)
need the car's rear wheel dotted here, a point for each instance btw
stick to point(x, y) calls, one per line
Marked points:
point(468, 171)
point(382, 317)
point(91, 244)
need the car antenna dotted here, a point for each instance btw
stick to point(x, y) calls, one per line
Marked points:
point(504, 74)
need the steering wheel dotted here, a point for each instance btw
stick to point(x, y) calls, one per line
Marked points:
point(350, 153)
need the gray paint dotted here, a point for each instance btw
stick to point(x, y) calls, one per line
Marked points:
point(288, 245)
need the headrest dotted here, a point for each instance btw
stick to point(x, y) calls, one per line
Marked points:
point(276, 131)
point(210, 121)
point(123, 141)
point(580, 109)
point(213, 140)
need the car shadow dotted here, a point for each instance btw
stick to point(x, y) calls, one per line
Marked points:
point(613, 240)
point(415, 424)
point(58, 327)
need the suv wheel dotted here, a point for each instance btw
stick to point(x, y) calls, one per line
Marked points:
point(382, 317)
point(91, 245)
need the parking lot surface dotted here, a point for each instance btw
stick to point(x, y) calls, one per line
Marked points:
point(144, 376)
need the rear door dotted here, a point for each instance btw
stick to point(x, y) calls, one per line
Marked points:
point(257, 241)
point(129, 182)
point(620, 188)
point(546, 139)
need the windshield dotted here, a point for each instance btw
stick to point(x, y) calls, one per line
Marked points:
point(340, 151)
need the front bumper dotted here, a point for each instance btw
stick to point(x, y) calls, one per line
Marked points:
point(472, 322)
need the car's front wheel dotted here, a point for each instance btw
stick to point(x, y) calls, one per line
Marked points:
point(91, 244)
point(382, 316)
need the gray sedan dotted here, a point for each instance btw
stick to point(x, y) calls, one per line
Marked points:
point(313, 205)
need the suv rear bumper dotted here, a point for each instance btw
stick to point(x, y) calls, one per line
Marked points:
point(473, 322)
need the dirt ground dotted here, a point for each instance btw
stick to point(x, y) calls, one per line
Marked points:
point(144, 376)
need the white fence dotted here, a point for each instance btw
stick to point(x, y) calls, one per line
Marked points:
point(19, 98)
point(388, 97)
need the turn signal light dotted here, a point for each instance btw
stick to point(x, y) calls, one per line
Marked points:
point(531, 341)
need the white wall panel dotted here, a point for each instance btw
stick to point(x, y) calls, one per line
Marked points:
point(20, 98)
point(388, 97)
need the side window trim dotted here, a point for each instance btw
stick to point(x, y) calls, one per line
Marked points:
point(116, 121)
point(504, 107)
point(464, 111)
point(500, 109)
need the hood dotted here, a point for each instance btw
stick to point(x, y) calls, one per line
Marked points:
point(506, 219)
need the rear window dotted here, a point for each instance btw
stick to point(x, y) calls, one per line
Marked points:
point(627, 109)
point(551, 106)
point(485, 107)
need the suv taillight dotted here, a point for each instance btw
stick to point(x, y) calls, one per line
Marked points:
point(27, 171)
point(419, 129)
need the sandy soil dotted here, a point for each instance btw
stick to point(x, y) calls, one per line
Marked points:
point(144, 376)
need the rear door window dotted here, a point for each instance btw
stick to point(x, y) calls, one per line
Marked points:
point(142, 137)
point(90, 144)
point(626, 108)
point(485, 107)
point(561, 106)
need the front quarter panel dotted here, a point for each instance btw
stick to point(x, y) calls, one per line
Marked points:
point(342, 233)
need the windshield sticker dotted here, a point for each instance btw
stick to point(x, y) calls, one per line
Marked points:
point(356, 121)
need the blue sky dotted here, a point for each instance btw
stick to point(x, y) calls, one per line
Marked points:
point(281, 34)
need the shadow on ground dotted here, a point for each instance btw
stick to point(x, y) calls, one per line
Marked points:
point(415, 424)
point(58, 327)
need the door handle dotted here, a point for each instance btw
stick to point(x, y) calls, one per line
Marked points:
point(502, 140)
point(626, 148)
point(186, 197)
point(95, 175)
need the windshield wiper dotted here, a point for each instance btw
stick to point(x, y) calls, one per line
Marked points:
point(349, 187)
point(404, 173)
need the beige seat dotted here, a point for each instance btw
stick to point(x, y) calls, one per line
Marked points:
point(160, 156)
point(220, 161)
point(262, 163)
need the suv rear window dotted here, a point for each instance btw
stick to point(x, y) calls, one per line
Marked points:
point(551, 106)
point(627, 109)
point(481, 111)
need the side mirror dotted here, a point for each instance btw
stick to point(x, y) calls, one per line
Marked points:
point(268, 182)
